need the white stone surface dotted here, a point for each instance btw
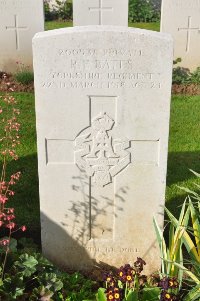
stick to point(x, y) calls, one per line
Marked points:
point(181, 18)
point(100, 12)
point(102, 106)
point(19, 21)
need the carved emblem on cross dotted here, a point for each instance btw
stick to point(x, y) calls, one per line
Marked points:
point(98, 154)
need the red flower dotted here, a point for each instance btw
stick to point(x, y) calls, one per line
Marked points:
point(10, 226)
point(23, 228)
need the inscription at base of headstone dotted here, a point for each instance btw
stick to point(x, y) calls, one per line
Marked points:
point(102, 126)
point(100, 12)
point(182, 20)
point(17, 27)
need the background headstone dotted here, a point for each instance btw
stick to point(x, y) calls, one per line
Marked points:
point(102, 107)
point(19, 21)
point(181, 18)
point(100, 12)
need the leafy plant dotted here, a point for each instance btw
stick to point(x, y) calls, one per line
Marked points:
point(50, 13)
point(195, 76)
point(173, 253)
point(143, 11)
point(61, 10)
point(181, 75)
point(9, 141)
point(190, 214)
point(128, 284)
point(76, 287)
point(24, 75)
point(64, 9)
point(192, 245)
point(184, 76)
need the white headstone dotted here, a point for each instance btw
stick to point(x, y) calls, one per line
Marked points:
point(100, 12)
point(181, 18)
point(19, 21)
point(102, 106)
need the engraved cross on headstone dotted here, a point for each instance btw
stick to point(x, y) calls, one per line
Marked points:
point(102, 156)
point(16, 28)
point(101, 9)
point(189, 28)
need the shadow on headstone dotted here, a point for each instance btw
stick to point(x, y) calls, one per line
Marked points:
point(71, 248)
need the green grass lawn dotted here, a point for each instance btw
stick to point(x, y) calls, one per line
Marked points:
point(61, 24)
point(149, 26)
point(184, 153)
point(184, 148)
point(49, 25)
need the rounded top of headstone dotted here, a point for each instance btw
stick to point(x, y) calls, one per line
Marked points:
point(102, 28)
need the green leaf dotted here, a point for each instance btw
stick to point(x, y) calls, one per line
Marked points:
point(51, 281)
point(193, 294)
point(188, 272)
point(195, 173)
point(1, 283)
point(195, 225)
point(132, 296)
point(101, 296)
point(162, 245)
point(180, 271)
point(28, 261)
point(150, 294)
point(26, 264)
point(186, 238)
point(13, 287)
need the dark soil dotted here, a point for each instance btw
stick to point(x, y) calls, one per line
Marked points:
point(8, 82)
point(191, 89)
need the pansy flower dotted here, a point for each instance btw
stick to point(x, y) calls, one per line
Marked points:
point(166, 296)
point(109, 279)
point(164, 283)
point(139, 264)
point(173, 283)
point(114, 294)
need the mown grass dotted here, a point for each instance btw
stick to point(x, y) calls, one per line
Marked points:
point(184, 149)
point(155, 26)
point(184, 153)
point(49, 25)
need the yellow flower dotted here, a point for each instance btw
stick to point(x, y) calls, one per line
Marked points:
point(167, 296)
point(117, 296)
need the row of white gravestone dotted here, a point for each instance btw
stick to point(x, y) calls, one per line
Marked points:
point(21, 19)
point(98, 12)
point(181, 18)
